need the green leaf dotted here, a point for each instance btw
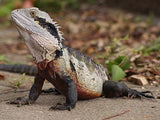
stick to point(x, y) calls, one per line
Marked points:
point(19, 82)
point(126, 37)
point(155, 46)
point(117, 73)
point(123, 62)
point(3, 58)
point(109, 65)
point(6, 9)
point(116, 67)
point(119, 59)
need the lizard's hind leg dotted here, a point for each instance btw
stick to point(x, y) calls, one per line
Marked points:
point(119, 89)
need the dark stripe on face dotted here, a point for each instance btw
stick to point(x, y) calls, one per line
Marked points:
point(50, 27)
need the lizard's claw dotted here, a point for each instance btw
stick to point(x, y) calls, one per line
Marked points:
point(135, 94)
point(19, 101)
point(60, 106)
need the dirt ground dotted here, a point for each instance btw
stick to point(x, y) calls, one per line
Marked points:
point(95, 109)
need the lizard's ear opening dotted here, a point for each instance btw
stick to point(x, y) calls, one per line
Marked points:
point(33, 13)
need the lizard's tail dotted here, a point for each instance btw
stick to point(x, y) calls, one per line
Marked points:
point(21, 68)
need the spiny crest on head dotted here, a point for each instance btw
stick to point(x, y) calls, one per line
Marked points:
point(60, 33)
point(49, 24)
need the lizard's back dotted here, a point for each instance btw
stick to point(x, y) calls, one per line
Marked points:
point(90, 76)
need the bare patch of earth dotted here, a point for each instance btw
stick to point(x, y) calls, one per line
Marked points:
point(95, 109)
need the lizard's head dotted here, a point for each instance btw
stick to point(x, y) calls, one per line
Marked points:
point(40, 32)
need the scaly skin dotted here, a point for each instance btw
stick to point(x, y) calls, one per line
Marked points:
point(20, 68)
point(73, 74)
point(87, 89)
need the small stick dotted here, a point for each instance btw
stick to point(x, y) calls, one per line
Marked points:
point(116, 115)
point(15, 91)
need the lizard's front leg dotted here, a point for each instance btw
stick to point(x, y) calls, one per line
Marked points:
point(71, 96)
point(34, 92)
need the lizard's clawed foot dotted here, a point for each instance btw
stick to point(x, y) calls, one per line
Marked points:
point(136, 94)
point(60, 106)
point(20, 101)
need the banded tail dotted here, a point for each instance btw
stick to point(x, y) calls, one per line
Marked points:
point(21, 68)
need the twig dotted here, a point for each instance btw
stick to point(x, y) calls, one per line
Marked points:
point(15, 91)
point(122, 61)
point(116, 115)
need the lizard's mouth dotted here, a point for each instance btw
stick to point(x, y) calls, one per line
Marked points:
point(15, 21)
point(21, 21)
point(24, 22)
point(33, 25)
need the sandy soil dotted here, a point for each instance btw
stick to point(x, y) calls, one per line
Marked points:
point(95, 109)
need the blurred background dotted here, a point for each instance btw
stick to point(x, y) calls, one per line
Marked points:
point(122, 35)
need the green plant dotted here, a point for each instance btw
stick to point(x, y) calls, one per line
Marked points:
point(138, 19)
point(149, 19)
point(91, 1)
point(7, 6)
point(19, 82)
point(4, 59)
point(154, 46)
point(117, 67)
point(114, 44)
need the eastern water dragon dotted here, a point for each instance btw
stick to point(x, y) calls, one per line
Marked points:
point(73, 74)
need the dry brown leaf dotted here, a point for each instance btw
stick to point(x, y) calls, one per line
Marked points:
point(77, 44)
point(138, 79)
point(90, 50)
point(2, 77)
point(133, 58)
point(73, 28)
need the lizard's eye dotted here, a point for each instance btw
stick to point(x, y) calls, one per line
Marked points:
point(33, 14)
